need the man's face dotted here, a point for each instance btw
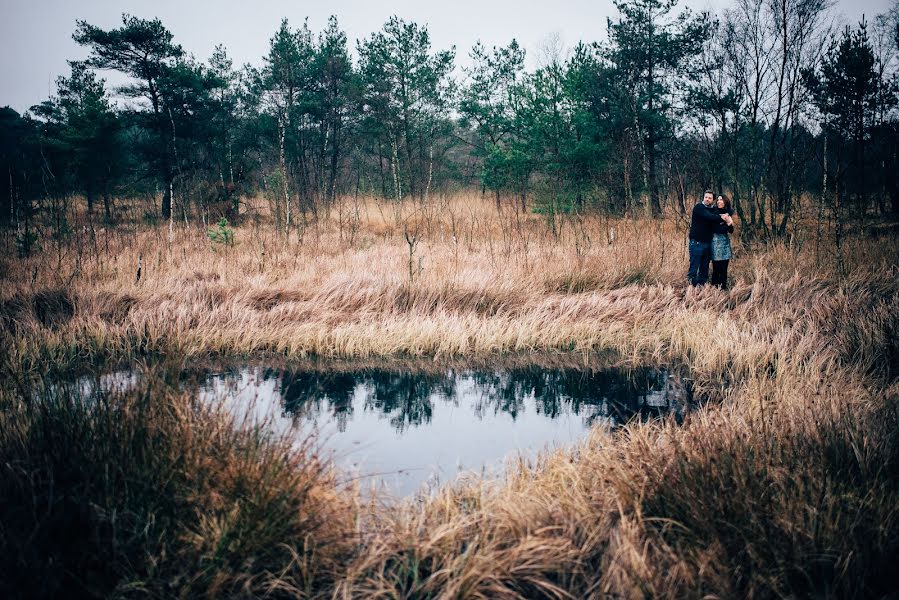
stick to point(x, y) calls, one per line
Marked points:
point(707, 199)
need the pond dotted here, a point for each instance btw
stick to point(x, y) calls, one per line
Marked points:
point(399, 429)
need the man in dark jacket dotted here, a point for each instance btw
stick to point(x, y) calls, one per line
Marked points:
point(702, 226)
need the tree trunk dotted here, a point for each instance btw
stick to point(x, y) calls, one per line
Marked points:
point(381, 170)
point(823, 202)
point(649, 175)
point(430, 173)
point(167, 195)
point(335, 161)
point(107, 207)
point(396, 176)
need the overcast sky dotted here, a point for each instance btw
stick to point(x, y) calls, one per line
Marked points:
point(36, 35)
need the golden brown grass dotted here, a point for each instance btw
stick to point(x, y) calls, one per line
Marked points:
point(786, 488)
point(794, 504)
point(488, 284)
point(148, 493)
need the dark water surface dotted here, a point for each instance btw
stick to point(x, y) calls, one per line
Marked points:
point(400, 429)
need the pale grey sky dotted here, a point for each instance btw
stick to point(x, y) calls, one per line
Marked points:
point(36, 35)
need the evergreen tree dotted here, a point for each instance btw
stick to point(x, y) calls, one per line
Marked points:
point(487, 105)
point(142, 49)
point(90, 129)
point(20, 161)
point(334, 102)
point(407, 97)
point(651, 51)
point(223, 107)
point(849, 93)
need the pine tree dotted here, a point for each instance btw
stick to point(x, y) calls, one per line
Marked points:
point(650, 52)
point(142, 49)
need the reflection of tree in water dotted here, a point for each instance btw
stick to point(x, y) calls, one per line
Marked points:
point(407, 398)
point(306, 393)
point(501, 391)
point(616, 395)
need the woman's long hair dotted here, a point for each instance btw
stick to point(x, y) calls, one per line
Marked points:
point(727, 207)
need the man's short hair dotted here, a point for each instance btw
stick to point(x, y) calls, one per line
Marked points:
point(708, 192)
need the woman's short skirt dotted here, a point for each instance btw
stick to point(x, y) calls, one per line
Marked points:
point(721, 247)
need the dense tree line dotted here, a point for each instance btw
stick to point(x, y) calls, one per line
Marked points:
point(766, 102)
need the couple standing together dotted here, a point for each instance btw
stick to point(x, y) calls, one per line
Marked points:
point(710, 227)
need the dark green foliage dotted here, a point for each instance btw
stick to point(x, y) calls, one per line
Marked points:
point(671, 104)
point(488, 106)
point(406, 97)
point(140, 48)
point(21, 180)
point(307, 91)
point(852, 96)
point(143, 50)
point(91, 132)
point(650, 54)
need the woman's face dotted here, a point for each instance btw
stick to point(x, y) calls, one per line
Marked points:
point(720, 202)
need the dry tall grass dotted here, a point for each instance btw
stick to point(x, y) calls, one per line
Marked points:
point(480, 284)
point(148, 493)
point(723, 508)
point(787, 488)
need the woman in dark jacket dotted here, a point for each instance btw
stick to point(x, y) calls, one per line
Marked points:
point(721, 250)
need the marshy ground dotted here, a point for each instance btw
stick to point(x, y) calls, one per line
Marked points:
point(787, 484)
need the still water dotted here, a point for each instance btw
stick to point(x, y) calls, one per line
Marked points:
point(401, 430)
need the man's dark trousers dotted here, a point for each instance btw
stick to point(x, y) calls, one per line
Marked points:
point(700, 256)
